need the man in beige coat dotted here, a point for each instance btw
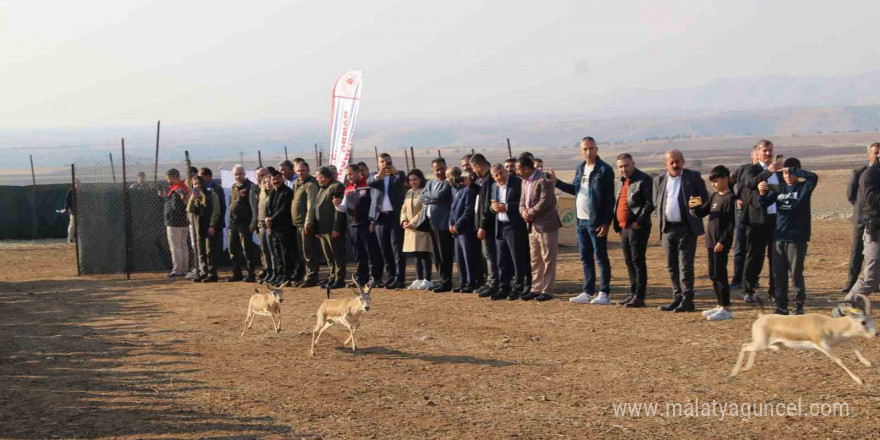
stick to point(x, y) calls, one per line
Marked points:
point(538, 208)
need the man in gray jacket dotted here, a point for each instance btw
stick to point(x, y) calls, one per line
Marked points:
point(243, 207)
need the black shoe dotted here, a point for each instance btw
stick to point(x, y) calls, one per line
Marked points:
point(250, 278)
point(482, 289)
point(200, 278)
point(262, 274)
point(210, 279)
point(672, 306)
point(749, 298)
point(799, 310)
point(442, 288)
point(686, 306)
point(457, 289)
point(529, 296)
point(234, 278)
point(780, 311)
point(734, 286)
point(487, 293)
point(466, 289)
point(627, 300)
point(309, 283)
point(636, 303)
point(501, 294)
point(514, 295)
point(544, 297)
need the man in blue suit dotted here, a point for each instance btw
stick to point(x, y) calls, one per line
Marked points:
point(437, 198)
point(593, 186)
point(391, 191)
point(511, 235)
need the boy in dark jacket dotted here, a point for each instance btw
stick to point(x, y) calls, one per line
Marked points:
point(721, 209)
point(792, 198)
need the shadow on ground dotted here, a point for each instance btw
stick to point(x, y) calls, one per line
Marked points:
point(77, 360)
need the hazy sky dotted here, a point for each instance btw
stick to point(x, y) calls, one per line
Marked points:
point(109, 63)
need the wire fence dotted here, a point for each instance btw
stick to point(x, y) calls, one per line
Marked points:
point(120, 205)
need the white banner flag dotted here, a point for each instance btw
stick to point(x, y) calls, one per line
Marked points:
point(346, 98)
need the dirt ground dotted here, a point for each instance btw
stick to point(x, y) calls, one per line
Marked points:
point(102, 357)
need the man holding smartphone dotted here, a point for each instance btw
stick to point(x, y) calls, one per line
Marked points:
point(759, 221)
point(391, 187)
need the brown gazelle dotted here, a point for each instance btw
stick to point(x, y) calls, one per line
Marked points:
point(264, 304)
point(346, 311)
point(812, 332)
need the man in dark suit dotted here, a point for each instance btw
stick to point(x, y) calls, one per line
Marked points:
point(391, 187)
point(854, 195)
point(679, 229)
point(485, 221)
point(739, 247)
point(511, 234)
point(760, 221)
point(437, 198)
point(633, 207)
point(280, 225)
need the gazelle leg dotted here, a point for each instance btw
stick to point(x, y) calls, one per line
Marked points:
point(327, 324)
point(862, 359)
point(316, 334)
point(274, 324)
point(739, 360)
point(836, 359)
point(246, 318)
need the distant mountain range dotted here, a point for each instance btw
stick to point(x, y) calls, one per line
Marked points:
point(724, 107)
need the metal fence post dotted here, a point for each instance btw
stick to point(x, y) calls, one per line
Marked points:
point(126, 215)
point(75, 217)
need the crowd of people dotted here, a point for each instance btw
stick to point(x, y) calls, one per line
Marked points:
point(498, 223)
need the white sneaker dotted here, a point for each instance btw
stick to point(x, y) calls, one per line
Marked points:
point(415, 285)
point(601, 299)
point(191, 275)
point(426, 284)
point(720, 315)
point(583, 298)
point(710, 312)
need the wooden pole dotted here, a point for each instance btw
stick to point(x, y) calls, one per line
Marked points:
point(412, 154)
point(285, 152)
point(438, 153)
point(260, 158)
point(156, 163)
point(376, 150)
point(75, 218)
point(320, 158)
point(112, 168)
point(126, 215)
point(406, 156)
point(509, 151)
point(472, 152)
point(317, 156)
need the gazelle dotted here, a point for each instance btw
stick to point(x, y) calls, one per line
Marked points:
point(812, 332)
point(264, 304)
point(346, 311)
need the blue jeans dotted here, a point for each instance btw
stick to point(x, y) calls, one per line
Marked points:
point(593, 250)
